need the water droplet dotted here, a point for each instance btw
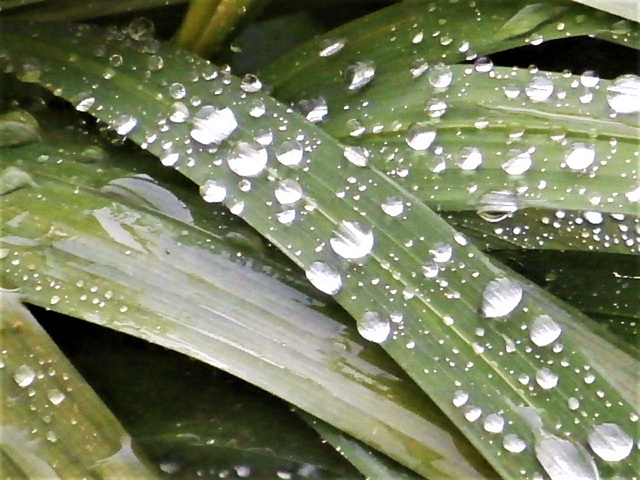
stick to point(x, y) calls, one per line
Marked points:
point(472, 413)
point(177, 91)
point(55, 396)
point(496, 206)
point(250, 83)
point(237, 208)
point(623, 94)
point(500, 297)
point(594, 218)
point(124, 124)
point(573, 403)
point(483, 65)
point(24, 376)
point(248, 160)
point(393, 206)
point(84, 102)
point(539, 89)
point(289, 153)
point(460, 397)
point(441, 253)
point(324, 277)
point(140, 29)
point(493, 423)
point(418, 67)
point(469, 158)
point(420, 137)
point(517, 162)
point(286, 217)
point(258, 108)
point(330, 46)
point(352, 241)
point(610, 442)
point(430, 269)
point(213, 125)
point(511, 91)
point(546, 378)
point(544, 331)
point(440, 76)
point(179, 113)
point(359, 74)
point(313, 110)
point(633, 195)
point(579, 156)
point(288, 192)
point(359, 156)
point(565, 460)
point(436, 107)
point(513, 443)
point(213, 192)
point(589, 79)
point(373, 327)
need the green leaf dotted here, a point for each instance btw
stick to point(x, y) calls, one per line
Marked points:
point(624, 8)
point(485, 350)
point(127, 253)
point(369, 462)
point(49, 411)
point(188, 417)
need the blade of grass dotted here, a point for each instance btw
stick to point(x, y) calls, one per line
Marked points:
point(442, 333)
point(127, 253)
point(49, 411)
point(624, 8)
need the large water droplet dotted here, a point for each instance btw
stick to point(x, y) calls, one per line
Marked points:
point(213, 192)
point(493, 423)
point(623, 94)
point(140, 29)
point(420, 137)
point(393, 206)
point(55, 396)
point(472, 413)
point(460, 397)
point(177, 91)
point(353, 240)
point(440, 76)
point(517, 162)
point(248, 160)
point(500, 297)
point(359, 74)
point(496, 206)
point(288, 192)
point(539, 89)
point(289, 153)
point(469, 158)
point(544, 331)
point(324, 277)
point(610, 442)
point(374, 327)
point(513, 443)
point(359, 156)
point(441, 252)
point(313, 110)
point(250, 83)
point(213, 125)
point(24, 376)
point(546, 378)
point(565, 460)
point(430, 269)
point(579, 156)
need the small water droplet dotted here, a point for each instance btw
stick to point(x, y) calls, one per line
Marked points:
point(286, 217)
point(546, 378)
point(496, 206)
point(124, 124)
point(483, 65)
point(544, 331)
point(289, 153)
point(314, 110)
point(579, 156)
point(460, 397)
point(493, 423)
point(594, 218)
point(373, 327)
point(360, 74)
point(213, 192)
point(331, 46)
point(517, 162)
point(430, 269)
point(472, 413)
point(179, 112)
point(141, 29)
point(352, 241)
point(513, 443)
point(248, 160)
point(250, 83)
point(24, 376)
point(288, 192)
point(469, 158)
point(440, 76)
point(539, 89)
point(623, 94)
point(55, 396)
point(359, 156)
point(177, 91)
point(610, 442)
point(441, 253)
point(324, 277)
point(393, 206)
point(589, 79)
point(500, 297)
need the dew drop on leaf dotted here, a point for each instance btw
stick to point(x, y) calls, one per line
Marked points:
point(248, 160)
point(440, 76)
point(250, 83)
point(589, 79)
point(213, 192)
point(544, 331)
point(565, 460)
point(141, 29)
point(539, 89)
point(373, 327)
point(177, 91)
point(352, 241)
point(359, 156)
point(360, 74)
point(286, 217)
point(24, 376)
point(500, 297)
point(213, 125)
point(430, 269)
point(460, 397)
point(314, 110)
point(55, 396)
point(441, 253)
point(420, 137)
point(288, 192)
point(472, 413)
point(610, 442)
point(483, 65)
point(324, 277)
point(124, 124)
point(493, 423)
point(517, 162)
point(513, 443)
point(393, 206)
point(546, 378)
point(289, 153)
point(331, 46)
point(623, 94)
point(469, 158)
point(579, 156)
